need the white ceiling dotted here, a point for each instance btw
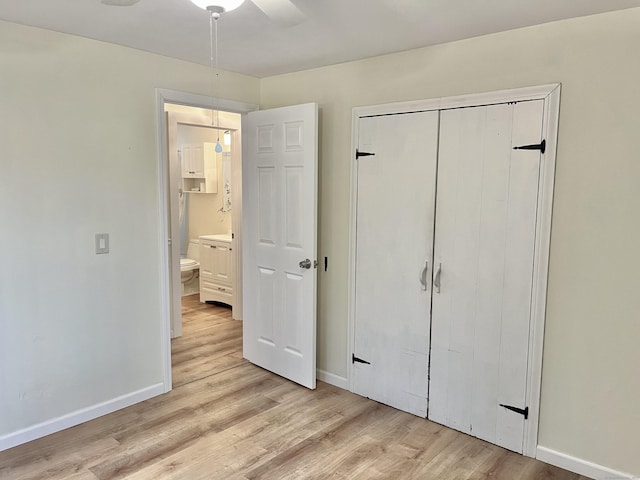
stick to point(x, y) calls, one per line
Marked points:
point(334, 31)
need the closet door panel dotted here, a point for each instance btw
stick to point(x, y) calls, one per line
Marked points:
point(518, 270)
point(491, 236)
point(457, 252)
point(486, 207)
point(394, 247)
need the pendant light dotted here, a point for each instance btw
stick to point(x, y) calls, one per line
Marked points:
point(216, 8)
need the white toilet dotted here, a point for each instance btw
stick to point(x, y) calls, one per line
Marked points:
point(190, 268)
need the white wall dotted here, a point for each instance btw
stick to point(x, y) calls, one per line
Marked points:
point(78, 139)
point(591, 383)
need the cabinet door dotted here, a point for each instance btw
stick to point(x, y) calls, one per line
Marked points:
point(206, 259)
point(221, 268)
point(186, 157)
point(193, 160)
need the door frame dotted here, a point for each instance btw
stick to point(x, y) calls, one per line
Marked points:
point(551, 95)
point(164, 220)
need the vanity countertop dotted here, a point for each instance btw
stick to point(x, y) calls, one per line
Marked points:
point(220, 237)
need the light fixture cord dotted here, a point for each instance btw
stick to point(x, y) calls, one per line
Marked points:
point(211, 65)
point(215, 76)
point(217, 79)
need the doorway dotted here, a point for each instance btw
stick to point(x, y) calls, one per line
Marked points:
point(168, 212)
point(201, 154)
point(289, 135)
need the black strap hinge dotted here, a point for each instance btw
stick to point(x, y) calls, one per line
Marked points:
point(542, 146)
point(363, 154)
point(521, 411)
point(355, 359)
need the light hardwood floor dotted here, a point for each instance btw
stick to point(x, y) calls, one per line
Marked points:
point(227, 419)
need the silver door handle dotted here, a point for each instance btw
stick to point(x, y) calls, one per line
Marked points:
point(436, 278)
point(306, 264)
point(423, 275)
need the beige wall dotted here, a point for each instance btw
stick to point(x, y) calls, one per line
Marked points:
point(78, 157)
point(591, 383)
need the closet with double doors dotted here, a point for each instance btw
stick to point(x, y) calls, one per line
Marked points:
point(450, 238)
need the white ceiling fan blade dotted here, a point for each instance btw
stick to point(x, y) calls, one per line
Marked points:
point(281, 11)
point(120, 3)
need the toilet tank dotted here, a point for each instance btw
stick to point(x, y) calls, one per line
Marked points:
point(193, 250)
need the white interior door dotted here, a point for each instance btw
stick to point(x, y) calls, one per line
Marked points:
point(484, 252)
point(279, 248)
point(394, 248)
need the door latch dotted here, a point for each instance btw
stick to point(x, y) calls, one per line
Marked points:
point(306, 264)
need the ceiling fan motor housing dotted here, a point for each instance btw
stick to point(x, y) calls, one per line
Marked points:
point(218, 6)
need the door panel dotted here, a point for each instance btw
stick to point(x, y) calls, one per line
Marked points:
point(279, 225)
point(484, 242)
point(394, 245)
point(519, 251)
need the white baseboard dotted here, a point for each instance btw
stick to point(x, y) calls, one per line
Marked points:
point(80, 416)
point(331, 379)
point(580, 466)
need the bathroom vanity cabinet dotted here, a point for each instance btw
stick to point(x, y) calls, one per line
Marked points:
point(216, 269)
point(199, 167)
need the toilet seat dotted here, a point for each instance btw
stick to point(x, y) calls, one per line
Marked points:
point(188, 264)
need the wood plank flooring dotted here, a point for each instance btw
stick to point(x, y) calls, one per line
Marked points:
point(227, 419)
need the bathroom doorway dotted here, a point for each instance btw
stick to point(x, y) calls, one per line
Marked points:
point(197, 109)
point(202, 149)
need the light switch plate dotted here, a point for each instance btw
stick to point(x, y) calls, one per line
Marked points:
point(102, 243)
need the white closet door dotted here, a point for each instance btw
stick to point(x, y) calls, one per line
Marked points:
point(484, 247)
point(394, 245)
